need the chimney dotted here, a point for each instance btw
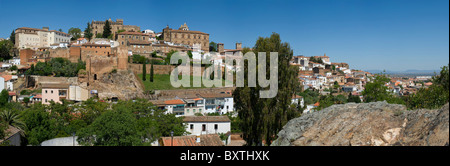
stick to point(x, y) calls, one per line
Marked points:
point(220, 48)
point(45, 28)
point(198, 139)
point(238, 46)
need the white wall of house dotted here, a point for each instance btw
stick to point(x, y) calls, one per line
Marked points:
point(2, 83)
point(228, 107)
point(201, 128)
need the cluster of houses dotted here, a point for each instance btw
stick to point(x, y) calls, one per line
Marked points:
point(404, 86)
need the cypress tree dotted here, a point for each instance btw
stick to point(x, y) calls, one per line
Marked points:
point(144, 70)
point(151, 72)
point(106, 30)
point(88, 32)
point(13, 37)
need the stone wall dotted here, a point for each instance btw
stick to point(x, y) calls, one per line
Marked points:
point(59, 53)
point(157, 69)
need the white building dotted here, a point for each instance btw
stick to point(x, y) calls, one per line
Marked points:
point(36, 38)
point(14, 61)
point(58, 37)
point(9, 82)
point(194, 106)
point(175, 107)
point(2, 83)
point(221, 103)
point(202, 125)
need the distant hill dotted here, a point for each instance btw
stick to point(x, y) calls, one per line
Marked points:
point(410, 72)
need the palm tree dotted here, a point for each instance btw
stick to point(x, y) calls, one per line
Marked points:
point(10, 117)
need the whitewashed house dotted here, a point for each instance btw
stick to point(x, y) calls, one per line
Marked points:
point(202, 125)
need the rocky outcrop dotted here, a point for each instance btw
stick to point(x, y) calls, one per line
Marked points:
point(122, 84)
point(368, 124)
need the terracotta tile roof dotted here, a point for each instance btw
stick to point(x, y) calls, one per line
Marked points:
point(317, 104)
point(10, 132)
point(38, 96)
point(55, 86)
point(206, 119)
point(11, 93)
point(183, 31)
point(7, 77)
point(191, 140)
point(174, 102)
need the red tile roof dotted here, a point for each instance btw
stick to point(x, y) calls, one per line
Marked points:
point(174, 102)
point(7, 77)
point(191, 140)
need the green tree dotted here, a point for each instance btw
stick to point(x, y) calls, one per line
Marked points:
point(352, 98)
point(169, 55)
point(75, 32)
point(151, 72)
point(4, 97)
point(12, 37)
point(189, 53)
point(13, 68)
point(88, 32)
point(107, 30)
point(6, 49)
point(40, 126)
point(11, 117)
point(117, 127)
point(144, 71)
point(378, 91)
point(212, 46)
point(434, 96)
point(262, 118)
point(99, 35)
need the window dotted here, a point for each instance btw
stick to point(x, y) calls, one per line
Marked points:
point(216, 126)
point(46, 91)
point(192, 127)
point(51, 92)
point(203, 127)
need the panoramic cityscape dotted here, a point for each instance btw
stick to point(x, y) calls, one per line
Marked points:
point(329, 73)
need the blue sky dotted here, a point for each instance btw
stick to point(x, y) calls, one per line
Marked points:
point(368, 34)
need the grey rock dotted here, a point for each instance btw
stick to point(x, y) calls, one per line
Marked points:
point(367, 124)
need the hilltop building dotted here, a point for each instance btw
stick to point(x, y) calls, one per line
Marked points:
point(187, 37)
point(97, 27)
point(34, 38)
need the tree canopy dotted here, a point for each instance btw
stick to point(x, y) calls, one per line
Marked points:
point(107, 30)
point(59, 67)
point(262, 118)
point(75, 32)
